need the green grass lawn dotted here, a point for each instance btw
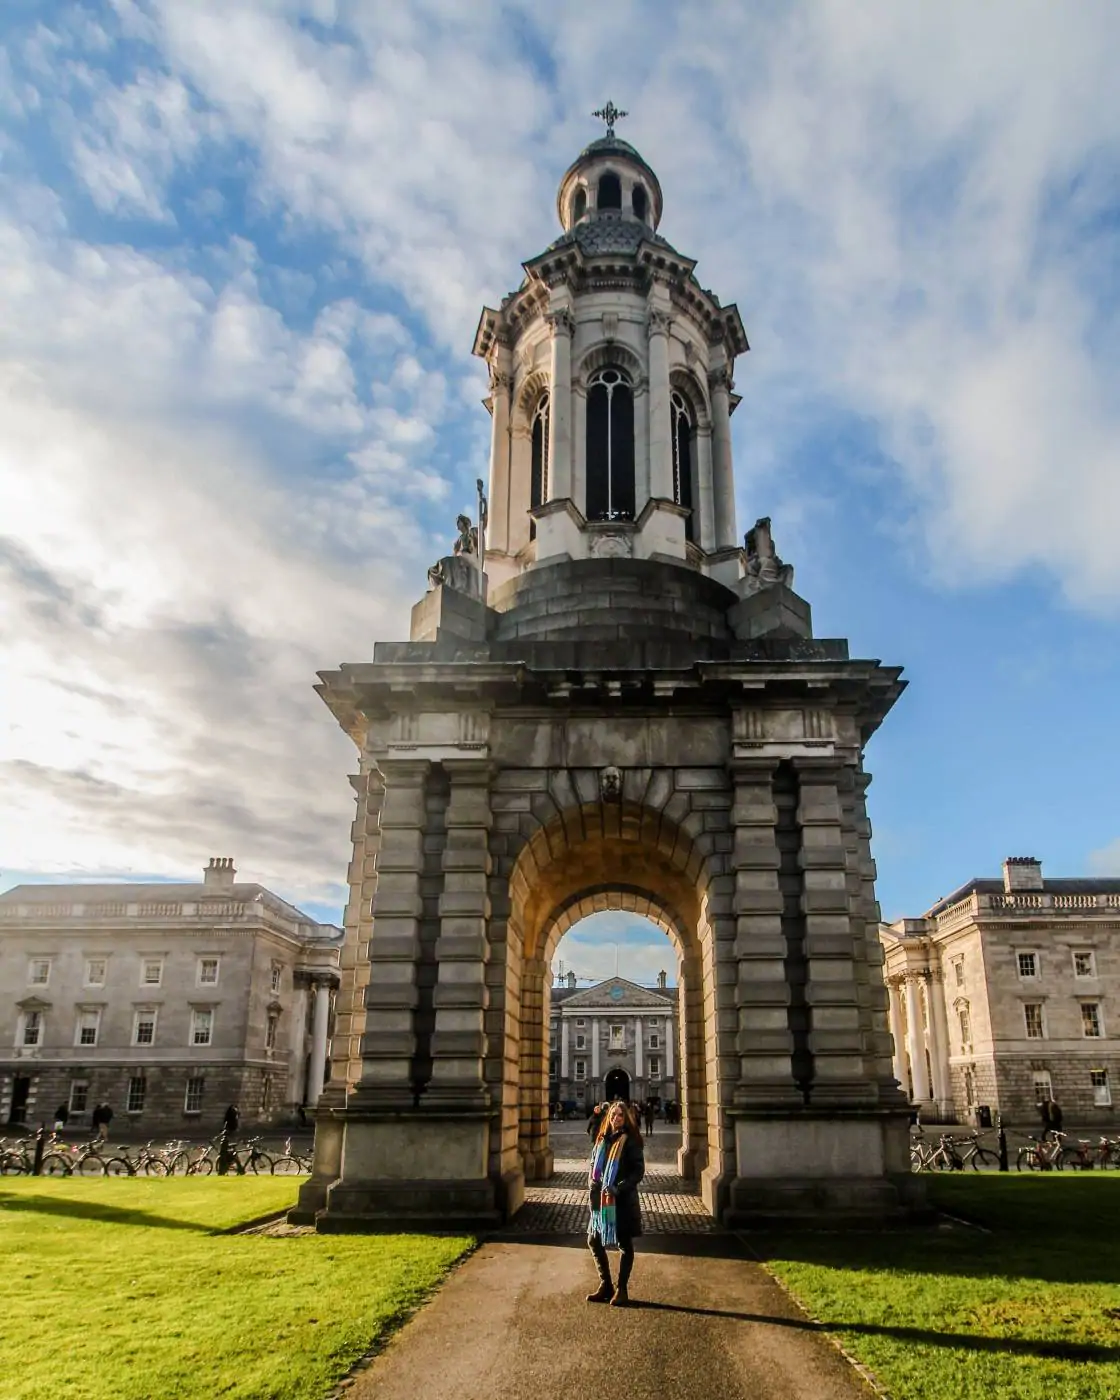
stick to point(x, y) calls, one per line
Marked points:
point(123, 1289)
point(1029, 1310)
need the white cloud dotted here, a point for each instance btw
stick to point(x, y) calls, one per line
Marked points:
point(603, 944)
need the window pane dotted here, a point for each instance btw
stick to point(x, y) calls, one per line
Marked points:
point(136, 1091)
point(1102, 1095)
point(1027, 965)
point(1083, 965)
point(1042, 1089)
point(1032, 1015)
point(1090, 1019)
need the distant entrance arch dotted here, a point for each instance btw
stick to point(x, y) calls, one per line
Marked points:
point(617, 1084)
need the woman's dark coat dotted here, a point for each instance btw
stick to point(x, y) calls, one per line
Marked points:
point(631, 1169)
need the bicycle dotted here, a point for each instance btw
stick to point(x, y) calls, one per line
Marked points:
point(290, 1163)
point(1042, 1154)
point(248, 1157)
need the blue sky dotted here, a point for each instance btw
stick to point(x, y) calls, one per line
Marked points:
point(243, 249)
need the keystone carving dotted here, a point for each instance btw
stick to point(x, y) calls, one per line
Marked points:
point(610, 785)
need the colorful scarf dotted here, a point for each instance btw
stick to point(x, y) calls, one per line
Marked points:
point(606, 1158)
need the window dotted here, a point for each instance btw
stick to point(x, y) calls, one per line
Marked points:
point(137, 1087)
point(32, 1028)
point(1028, 965)
point(89, 1022)
point(95, 972)
point(144, 1026)
point(655, 1066)
point(966, 1025)
point(579, 204)
point(581, 1023)
point(266, 1093)
point(682, 456)
point(654, 1041)
point(617, 1038)
point(39, 972)
point(270, 1030)
point(1032, 1017)
point(1091, 1026)
point(610, 446)
point(610, 191)
point(1043, 1089)
point(192, 1102)
point(202, 1025)
point(958, 971)
point(208, 972)
point(538, 476)
point(581, 1042)
point(79, 1096)
point(639, 202)
point(151, 972)
point(1102, 1095)
point(581, 1069)
point(277, 978)
point(969, 1087)
point(1084, 963)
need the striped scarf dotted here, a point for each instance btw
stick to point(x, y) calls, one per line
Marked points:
point(606, 1158)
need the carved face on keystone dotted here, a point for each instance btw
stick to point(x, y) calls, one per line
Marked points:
point(610, 785)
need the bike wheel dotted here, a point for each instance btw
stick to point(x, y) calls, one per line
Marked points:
point(118, 1166)
point(287, 1166)
point(260, 1164)
point(93, 1165)
point(1025, 1157)
point(179, 1165)
point(156, 1166)
point(203, 1167)
point(11, 1164)
point(55, 1164)
point(983, 1160)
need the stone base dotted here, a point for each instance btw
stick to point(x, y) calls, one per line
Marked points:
point(394, 1207)
point(775, 611)
point(816, 1202)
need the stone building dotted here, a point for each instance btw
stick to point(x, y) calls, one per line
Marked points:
point(1008, 992)
point(610, 699)
point(613, 1039)
point(167, 1001)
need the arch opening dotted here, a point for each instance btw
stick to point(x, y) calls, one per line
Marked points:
point(610, 446)
point(610, 191)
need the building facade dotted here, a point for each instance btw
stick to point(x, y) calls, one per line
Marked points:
point(169, 1002)
point(1006, 993)
point(615, 1038)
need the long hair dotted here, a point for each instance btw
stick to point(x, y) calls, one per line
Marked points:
point(629, 1122)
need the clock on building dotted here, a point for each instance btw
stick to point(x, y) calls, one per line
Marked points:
point(617, 994)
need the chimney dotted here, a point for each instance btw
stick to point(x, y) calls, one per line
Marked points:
point(572, 980)
point(219, 874)
point(1022, 873)
point(662, 981)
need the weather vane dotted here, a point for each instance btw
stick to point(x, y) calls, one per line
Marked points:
point(610, 114)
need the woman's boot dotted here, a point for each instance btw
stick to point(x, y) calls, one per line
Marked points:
point(605, 1292)
point(621, 1298)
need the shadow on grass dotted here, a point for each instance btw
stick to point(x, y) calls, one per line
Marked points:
point(919, 1336)
point(91, 1210)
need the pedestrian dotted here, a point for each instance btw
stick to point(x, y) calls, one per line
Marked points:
point(649, 1117)
point(100, 1119)
point(1051, 1113)
point(231, 1120)
point(617, 1166)
point(302, 1113)
point(61, 1114)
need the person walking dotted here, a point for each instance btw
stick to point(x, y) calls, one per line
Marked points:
point(231, 1120)
point(101, 1118)
point(61, 1113)
point(1051, 1112)
point(648, 1115)
point(617, 1166)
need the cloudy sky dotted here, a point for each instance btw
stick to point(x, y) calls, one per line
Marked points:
point(243, 248)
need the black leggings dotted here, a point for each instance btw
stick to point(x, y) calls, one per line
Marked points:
point(625, 1263)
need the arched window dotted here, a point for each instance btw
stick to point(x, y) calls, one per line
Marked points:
point(682, 457)
point(538, 477)
point(579, 205)
point(639, 203)
point(610, 191)
point(610, 446)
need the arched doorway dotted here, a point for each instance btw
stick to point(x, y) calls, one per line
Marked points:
point(595, 857)
point(616, 1085)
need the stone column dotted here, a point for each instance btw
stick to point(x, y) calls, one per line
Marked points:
point(832, 990)
point(563, 1046)
point(560, 406)
point(660, 418)
point(638, 1062)
point(938, 1039)
point(703, 508)
point(723, 477)
point(668, 1038)
point(594, 1024)
point(764, 1040)
point(915, 1040)
point(501, 383)
point(898, 1036)
point(317, 1072)
point(460, 997)
point(389, 1042)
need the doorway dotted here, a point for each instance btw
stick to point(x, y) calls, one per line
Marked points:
point(617, 1085)
point(21, 1092)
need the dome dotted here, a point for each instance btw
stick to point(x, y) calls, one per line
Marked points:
point(610, 231)
point(636, 184)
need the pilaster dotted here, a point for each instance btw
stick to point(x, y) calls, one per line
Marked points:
point(562, 324)
point(723, 476)
point(660, 418)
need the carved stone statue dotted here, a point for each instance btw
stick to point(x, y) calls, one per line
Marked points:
point(467, 543)
point(763, 568)
point(459, 570)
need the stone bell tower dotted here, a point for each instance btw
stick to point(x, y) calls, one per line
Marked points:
point(609, 701)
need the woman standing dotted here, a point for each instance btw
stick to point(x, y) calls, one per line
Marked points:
point(618, 1163)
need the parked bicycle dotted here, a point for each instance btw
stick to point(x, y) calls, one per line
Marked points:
point(290, 1163)
point(1041, 1154)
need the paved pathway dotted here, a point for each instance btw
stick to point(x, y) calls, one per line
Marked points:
point(512, 1324)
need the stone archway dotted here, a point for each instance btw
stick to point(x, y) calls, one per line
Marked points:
point(615, 855)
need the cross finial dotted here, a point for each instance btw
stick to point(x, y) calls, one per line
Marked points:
point(610, 114)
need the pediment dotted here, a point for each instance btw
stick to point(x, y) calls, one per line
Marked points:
point(618, 992)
